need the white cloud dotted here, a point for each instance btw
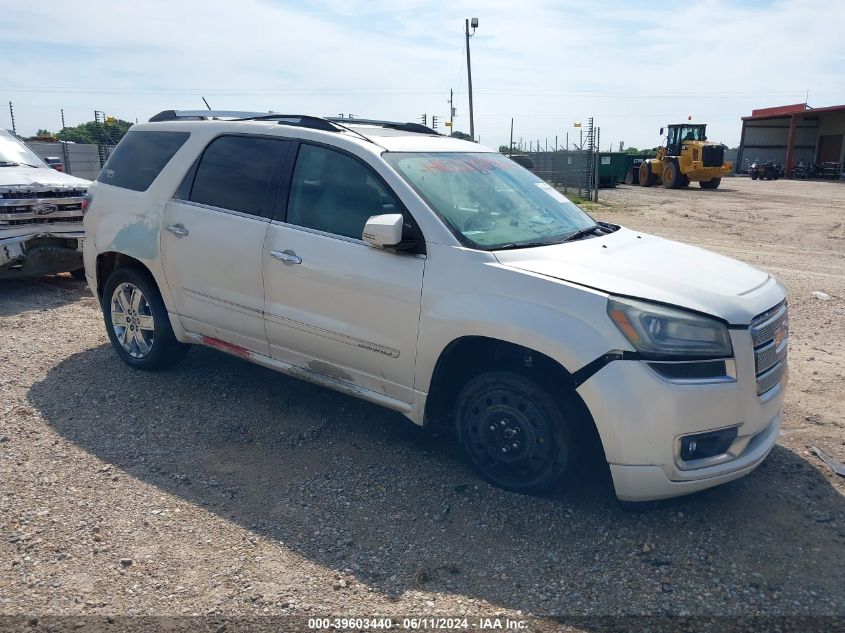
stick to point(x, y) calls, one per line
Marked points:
point(632, 66)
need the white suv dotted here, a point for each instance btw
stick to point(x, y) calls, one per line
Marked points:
point(442, 280)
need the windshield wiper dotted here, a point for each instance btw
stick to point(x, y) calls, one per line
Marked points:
point(513, 245)
point(9, 163)
point(577, 235)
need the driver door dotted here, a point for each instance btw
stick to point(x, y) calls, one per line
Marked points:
point(333, 304)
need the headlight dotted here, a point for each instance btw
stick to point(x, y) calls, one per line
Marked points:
point(657, 331)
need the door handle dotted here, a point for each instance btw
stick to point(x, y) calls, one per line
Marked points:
point(288, 257)
point(178, 230)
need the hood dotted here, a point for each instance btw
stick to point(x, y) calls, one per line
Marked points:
point(651, 268)
point(36, 176)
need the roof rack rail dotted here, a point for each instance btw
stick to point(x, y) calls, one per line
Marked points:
point(301, 120)
point(418, 128)
point(328, 124)
point(201, 115)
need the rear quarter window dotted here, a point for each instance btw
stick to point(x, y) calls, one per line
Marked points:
point(139, 158)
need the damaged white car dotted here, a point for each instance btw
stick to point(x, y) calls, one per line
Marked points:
point(40, 214)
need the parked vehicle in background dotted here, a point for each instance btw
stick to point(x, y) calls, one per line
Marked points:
point(40, 214)
point(55, 162)
point(440, 279)
point(765, 170)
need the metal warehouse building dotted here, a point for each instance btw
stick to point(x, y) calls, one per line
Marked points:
point(787, 134)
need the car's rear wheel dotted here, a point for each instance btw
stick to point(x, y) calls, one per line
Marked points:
point(137, 322)
point(515, 433)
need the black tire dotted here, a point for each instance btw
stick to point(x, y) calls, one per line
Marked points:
point(162, 348)
point(629, 176)
point(78, 274)
point(672, 176)
point(684, 181)
point(515, 434)
point(713, 183)
point(754, 175)
point(647, 177)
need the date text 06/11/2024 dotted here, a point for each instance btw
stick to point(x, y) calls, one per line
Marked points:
point(429, 624)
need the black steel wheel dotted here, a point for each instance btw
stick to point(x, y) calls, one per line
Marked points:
point(514, 433)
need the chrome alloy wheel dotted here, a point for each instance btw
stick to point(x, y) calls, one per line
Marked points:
point(132, 320)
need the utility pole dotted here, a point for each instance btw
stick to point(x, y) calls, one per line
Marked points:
point(12, 114)
point(510, 147)
point(555, 142)
point(469, 76)
point(451, 113)
point(65, 151)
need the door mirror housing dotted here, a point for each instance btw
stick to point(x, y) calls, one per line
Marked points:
point(661, 131)
point(383, 231)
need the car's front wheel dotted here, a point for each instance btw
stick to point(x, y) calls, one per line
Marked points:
point(137, 322)
point(515, 433)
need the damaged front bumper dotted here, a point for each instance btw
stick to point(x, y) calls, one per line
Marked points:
point(41, 253)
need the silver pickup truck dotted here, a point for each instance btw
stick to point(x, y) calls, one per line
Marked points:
point(40, 214)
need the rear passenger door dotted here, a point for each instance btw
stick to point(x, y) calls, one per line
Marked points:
point(334, 304)
point(214, 232)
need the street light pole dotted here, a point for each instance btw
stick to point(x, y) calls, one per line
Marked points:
point(474, 25)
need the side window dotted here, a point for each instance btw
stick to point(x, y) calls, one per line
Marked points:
point(236, 173)
point(335, 193)
point(139, 158)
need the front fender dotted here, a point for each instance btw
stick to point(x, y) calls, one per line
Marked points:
point(566, 322)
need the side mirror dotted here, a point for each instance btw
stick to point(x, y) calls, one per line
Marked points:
point(383, 230)
point(661, 131)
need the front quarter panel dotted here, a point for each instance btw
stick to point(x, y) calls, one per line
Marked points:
point(469, 293)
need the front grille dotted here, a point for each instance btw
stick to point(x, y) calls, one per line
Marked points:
point(712, 155)
point(770, 336)
point(28, 205)
point(63, 220)
point(29, 194)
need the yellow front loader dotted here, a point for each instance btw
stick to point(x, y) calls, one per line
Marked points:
point(687, 157)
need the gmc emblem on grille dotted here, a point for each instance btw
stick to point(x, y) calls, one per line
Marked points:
point(44, 209)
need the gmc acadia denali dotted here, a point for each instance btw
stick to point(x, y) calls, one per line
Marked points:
point(442, 280)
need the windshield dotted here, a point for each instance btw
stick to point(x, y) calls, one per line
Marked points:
point(14, 152)
point(692, 133)
point(488, 200)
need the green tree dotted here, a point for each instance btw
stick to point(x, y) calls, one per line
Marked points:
point(93, 132)
point(461, 135)
point(504, 149)
point(43, 132)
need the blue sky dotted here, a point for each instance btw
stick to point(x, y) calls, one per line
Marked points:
point(633, 66)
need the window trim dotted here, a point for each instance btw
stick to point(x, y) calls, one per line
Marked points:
point(269, 201)
point(280, 215)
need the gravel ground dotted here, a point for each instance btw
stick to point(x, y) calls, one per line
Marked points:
point(223, 488)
